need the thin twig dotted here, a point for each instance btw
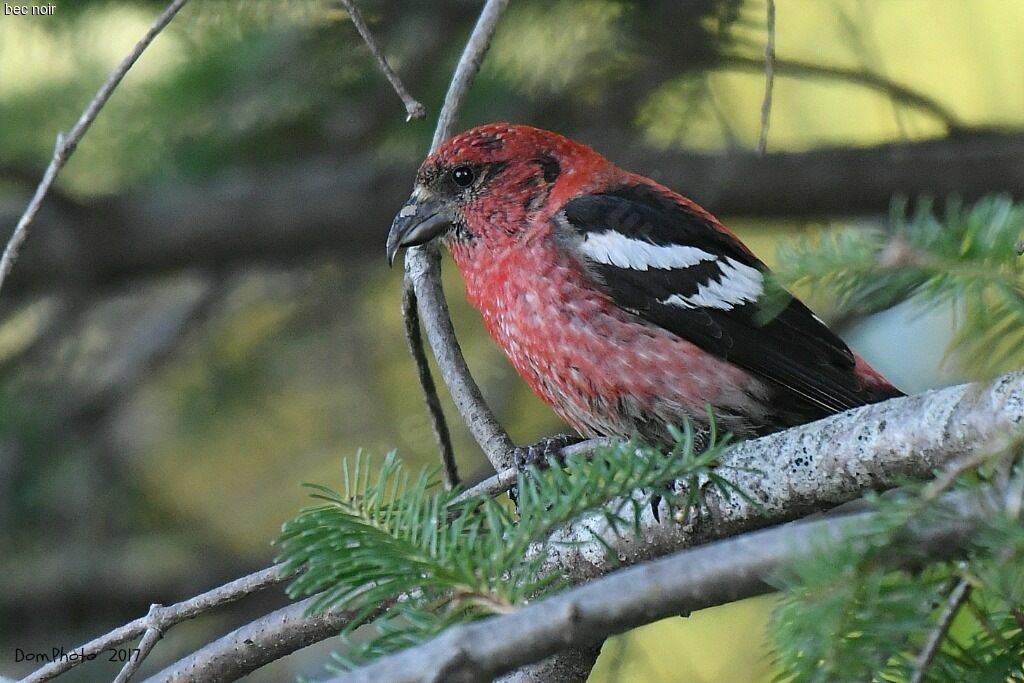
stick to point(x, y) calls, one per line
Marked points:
point(423, 268)
point(954, 602)
point(413, 109)
point(411, 318)
point(269, 638)
point(1014, 491)
point(423, 276)
point(166, 616)
point(153, 633)
point(947, 478)
point(506, 478)
point(769, 80)
point(897, 91)
point(466, 70)
point(66, 144)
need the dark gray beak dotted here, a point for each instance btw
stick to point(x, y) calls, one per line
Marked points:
point(418, 222)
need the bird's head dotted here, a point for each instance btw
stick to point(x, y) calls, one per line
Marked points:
point(488, 182)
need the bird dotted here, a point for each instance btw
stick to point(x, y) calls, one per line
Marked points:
point(628, 308)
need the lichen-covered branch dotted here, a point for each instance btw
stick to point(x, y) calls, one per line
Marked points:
point(816, 466)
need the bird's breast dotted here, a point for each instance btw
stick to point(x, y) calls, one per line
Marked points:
point(602, 369)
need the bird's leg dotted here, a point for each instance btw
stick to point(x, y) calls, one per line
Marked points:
point(544, 452)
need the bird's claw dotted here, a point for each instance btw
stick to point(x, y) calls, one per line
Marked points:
point(544, 452)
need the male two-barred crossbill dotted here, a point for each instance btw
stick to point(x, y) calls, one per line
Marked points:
point(625, 306)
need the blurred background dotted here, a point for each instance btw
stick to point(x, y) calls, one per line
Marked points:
point(203, 318)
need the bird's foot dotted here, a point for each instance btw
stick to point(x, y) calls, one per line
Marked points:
point(544, 452)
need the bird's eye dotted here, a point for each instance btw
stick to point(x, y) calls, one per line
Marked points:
point(463, 176)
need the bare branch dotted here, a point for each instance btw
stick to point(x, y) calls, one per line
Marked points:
point(264, 640)
point(236, 217)
point(506, 479)
point(165, 617)
point(954, 602)
point(413, 109)
point(153, 634)
point(693, 579)
point(65, 145)
point(896, 91)
point(466, 70)
point(769, 79)
point(423, 267)
point(423, 277)
point(411, 318)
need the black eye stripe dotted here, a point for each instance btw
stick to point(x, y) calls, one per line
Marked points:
point(549, 167)
point(463, 176)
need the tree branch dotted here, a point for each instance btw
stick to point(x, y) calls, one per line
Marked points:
point(769, 78)
point(423, 268)
point(413, 109)
point(411, 319)
point(65, 145)
point(438, 324)
point(813, 467)
point(163, 618)
point(506, 479)
point(237, 217)
point(681, 583)
point(153, 633)
point(960, 593)
point(992, 414)
point(264, 640)
point(805, 469)
point(572, 665)
point(896, 91)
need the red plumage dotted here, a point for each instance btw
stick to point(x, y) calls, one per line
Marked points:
point(624, 305)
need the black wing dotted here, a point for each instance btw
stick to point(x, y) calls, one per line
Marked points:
point(669, 264)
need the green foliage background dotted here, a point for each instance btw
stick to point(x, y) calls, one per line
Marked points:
point(294, 365)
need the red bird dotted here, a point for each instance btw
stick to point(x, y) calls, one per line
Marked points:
point(625, 306)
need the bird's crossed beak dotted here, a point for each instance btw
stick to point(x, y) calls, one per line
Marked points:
point(419, 221)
